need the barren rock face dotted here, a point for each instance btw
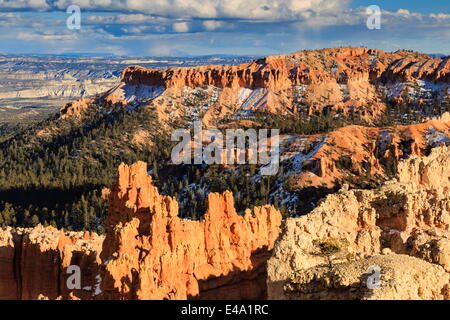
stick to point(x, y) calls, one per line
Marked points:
point(344, 80)
point(150, 253)
point(34, 262)
point(410, 215)
point(8, 284)
point(368, 149)
point(402, 277)
point(75, 108)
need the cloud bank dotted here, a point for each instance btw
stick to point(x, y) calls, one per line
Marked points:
point(255, 27)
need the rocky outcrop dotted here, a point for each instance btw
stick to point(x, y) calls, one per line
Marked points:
point(357, 155)
point(403, 278)
point(150, 253)
point(34, 262)
point(354, 81)
point(409, 215)
point(76, 108)
point(304, 67)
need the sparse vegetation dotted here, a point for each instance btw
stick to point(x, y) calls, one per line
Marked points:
point(344, 162)
point(331, 249)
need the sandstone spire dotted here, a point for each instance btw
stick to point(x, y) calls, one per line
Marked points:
point(151, 253)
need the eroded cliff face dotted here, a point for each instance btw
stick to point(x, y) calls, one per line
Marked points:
point(341, 80)
point(150, 253)
point(34, 262)
point(303, 67)
point(403, 277)
point(406, 216)
point(354, 153)
point(75, 108)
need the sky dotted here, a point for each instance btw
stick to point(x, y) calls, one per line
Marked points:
point(212, 27)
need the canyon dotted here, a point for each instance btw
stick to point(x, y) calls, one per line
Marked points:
point(347, 199)
point(347, 83)
point(150, 253)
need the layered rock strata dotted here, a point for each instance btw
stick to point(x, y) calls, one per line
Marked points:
point(348, 81)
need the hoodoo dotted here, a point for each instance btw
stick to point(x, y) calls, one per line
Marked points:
point(150, 253)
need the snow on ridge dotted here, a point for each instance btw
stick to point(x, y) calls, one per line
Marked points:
point(395, 90)
point(256, 98)
point(299, 157)
point(435, 137)
point(243, 95)
point(384, 140)
point(141, 92)
point(426, 85)
point(98, 281)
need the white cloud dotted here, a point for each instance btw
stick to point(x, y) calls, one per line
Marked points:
point(211, 25)
point(269, 10)
point(25, 4)
point(354, 17)
point(138, 18)
point(218, 25)
point(142, 30)
point(180, 27)
point(440, 16)
point(29, 36)
point(403, 12)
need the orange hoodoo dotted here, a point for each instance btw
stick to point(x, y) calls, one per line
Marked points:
point(151, 253)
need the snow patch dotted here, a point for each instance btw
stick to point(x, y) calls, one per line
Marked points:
point(243, 95)
point(435, 137)
point(98, 282)
point(140, 92)
point(257, 99)
point(297, 157)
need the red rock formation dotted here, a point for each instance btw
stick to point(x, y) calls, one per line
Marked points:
point(75, 108)
point(8, 283)
point(33, 263)
point(150, 253)
point(343, 79)
point(303, 67)
point(369, 148)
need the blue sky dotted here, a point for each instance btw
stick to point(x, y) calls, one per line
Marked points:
point(428, 6)
point(203, 27)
